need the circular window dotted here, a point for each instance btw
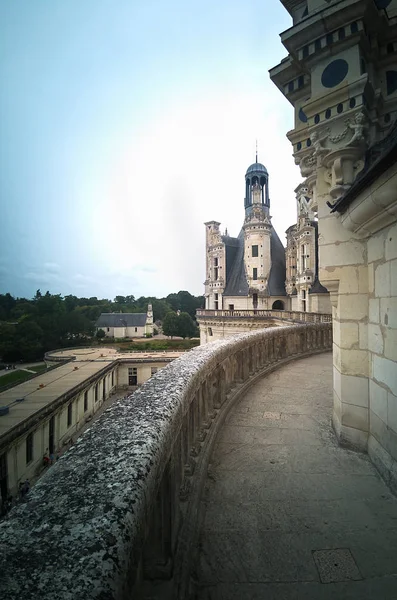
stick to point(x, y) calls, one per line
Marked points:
point(339, 108)
point(334, 73)
point(308, 142)
point(352, 102)
point(328, 113)
point(317, 119)
point(302, 116)
point(299, 146)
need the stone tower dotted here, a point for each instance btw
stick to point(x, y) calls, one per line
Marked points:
point(246, 272)
point(340, 75)
point(257, 230)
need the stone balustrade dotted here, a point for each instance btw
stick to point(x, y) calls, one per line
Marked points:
point(119, 509)
point(285, 315)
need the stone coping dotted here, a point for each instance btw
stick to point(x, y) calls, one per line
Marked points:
point(80, 534)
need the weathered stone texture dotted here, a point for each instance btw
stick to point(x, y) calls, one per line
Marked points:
point(108, 514)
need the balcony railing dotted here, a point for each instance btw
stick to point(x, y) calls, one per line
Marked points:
point(119, 509)
point(286, 315)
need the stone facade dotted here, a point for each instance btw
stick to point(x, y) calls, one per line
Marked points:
point(302, 283)
point(35, 426)
point(247, 272)
point(120, 508)
point(219, 324)
point(341, 77)
point(126, 325)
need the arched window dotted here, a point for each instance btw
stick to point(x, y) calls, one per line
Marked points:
point(278, 305)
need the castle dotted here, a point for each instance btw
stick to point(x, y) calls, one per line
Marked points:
point(248, 271)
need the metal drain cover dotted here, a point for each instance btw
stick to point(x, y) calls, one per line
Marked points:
point(336, 565)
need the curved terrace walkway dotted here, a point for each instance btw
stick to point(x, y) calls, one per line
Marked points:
point(287, 514)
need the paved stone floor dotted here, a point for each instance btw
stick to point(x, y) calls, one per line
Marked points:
point(287, 514)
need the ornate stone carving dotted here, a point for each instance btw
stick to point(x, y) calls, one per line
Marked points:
point(319, 149)
point(359, 128)
point(307, 164)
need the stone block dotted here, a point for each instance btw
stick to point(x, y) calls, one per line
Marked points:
point(390, 338)
point(375, 339)
point(363, 336)
point(352, 437)
point(343, 254)
point(378, 400)
point(391, 243)
point(346, 334)
point(392, 411)
point(380, 457)
point(371, 278)
point(354, 362)
point(348, 280)
point(353, 307)
point(354, 416)
point(388, 312)
point(393, 278)
point(376, 247)
point(382, 280)
point(351, 389)
point(330, 229)
point(362, 273)
point(384, 434)
point(385, 371)
point(373, 311)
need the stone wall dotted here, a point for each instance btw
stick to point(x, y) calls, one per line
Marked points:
point(120, 508)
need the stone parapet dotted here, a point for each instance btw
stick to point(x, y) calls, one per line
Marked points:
point(114, 512)
point(283, 315)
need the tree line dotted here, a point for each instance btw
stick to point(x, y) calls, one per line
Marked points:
point(31, 327)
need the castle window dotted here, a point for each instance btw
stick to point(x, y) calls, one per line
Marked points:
point(341, 34)
point(215, 262)
point(29, 448)
point(255, 273)
point(354, 27)
point(254, 251)
point(301, 81)
point(70, 409)
point(215, 274)
point(85, 401)
point(210, 331)
point(329, 39)
point(317, 44)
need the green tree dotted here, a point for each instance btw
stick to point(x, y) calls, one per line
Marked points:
point(170, 324)
point(100, 334)
point(186, 326)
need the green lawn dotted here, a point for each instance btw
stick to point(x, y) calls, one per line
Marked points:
point(20, 376)
point(39, 368)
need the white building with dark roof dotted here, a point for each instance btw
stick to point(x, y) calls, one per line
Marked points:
point(247, 272)
point(126, 325)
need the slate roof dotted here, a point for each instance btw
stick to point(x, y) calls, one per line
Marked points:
point(121, 320)
point(276, 282)
point(236, 284)
point(236, 276)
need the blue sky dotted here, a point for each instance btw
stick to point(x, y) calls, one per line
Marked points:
point(124, 126)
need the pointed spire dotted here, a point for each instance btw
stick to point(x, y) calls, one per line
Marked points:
point(256, 151)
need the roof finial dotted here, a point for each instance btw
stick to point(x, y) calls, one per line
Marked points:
point(256, 151)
